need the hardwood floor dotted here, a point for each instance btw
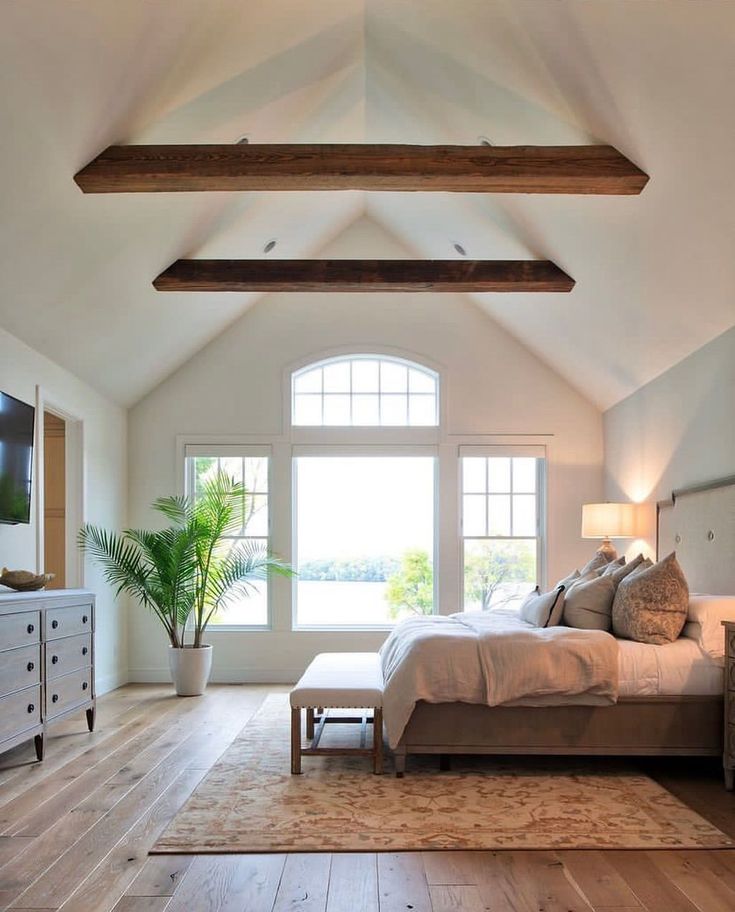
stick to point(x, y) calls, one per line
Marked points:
point(75, 832)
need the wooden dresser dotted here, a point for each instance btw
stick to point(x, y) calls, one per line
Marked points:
point(728, 756)
point(46, 662)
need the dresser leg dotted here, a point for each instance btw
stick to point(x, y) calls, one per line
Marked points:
point(729, 778)
point(38, 743)
point(91, 715)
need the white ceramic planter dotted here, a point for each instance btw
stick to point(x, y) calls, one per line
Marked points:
point(190, 669)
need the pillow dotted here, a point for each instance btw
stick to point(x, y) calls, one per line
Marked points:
point(539, 608)
point(588, 605)
point(598, 562)
point(618, 573)
point(705, 615)
point(614, 565)
point(568, 580)
point(651, 605)
point(585, 578)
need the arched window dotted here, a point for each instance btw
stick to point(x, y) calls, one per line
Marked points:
point(365, 391)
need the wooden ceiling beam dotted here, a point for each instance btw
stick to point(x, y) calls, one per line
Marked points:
point(465, 169)
point(364, 276)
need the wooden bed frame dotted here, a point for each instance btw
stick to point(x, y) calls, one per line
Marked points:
point(697, 523)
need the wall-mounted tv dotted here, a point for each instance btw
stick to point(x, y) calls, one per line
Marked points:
point(16, 459)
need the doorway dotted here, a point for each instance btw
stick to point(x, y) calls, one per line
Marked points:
point(54, 499)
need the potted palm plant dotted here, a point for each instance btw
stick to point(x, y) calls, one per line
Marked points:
point(184, 573)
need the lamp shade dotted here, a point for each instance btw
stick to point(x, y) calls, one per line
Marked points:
point(608, 520)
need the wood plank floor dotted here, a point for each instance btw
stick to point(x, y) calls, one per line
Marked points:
point(75, 832)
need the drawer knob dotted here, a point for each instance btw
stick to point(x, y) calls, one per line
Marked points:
point(54, 660)
point(30, 628)
point(55, 698)
point(30, 666)
point(84, 619)
point(54, 624)
point(85, 685)
point(84, 650)
point(31, 707)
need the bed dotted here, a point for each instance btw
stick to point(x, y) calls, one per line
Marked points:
point(675, 710)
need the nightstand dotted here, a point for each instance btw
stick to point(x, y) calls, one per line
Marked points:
point(728, 751)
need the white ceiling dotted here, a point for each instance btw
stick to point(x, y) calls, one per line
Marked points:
point(655, 274)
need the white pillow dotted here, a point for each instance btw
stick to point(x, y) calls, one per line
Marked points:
point(704, 622)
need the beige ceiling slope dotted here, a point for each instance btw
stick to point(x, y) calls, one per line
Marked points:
point(655, 273)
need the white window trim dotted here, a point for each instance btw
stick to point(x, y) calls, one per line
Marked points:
point(220, 450)
point(358, 450)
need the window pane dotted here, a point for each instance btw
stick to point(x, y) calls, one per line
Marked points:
point(205, 467)
point(419, 382)
point(524, 475)
point(365, 410)
point(365, 376)
point(337, 409)
point(498, 574)
point(310, 382)
point(307, 409)
point(394, 410)
point(232, 467)
point(393, 377)
point(524, 514)
point(365, 539)
point(256, 474)
point(473, 474)
point(256, 515)
point(498, 472)
point(421, 410)
point(337, 377)
point(498, 518)
point(247, 606)
point(473, 515)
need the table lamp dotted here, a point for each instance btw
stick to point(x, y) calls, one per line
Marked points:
point(606, 521)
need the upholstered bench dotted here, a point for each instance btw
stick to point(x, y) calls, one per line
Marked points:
point(338, 680)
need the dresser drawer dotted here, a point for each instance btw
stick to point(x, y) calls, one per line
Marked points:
point(20, 629)
point(69, 691)
point(20, 711)
point(69, 654)
point(64, 622)
point(730, 674)
point(19, 668)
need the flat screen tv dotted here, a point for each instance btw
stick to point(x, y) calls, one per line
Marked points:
point(16, 459)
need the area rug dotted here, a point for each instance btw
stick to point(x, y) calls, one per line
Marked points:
point(249, 802)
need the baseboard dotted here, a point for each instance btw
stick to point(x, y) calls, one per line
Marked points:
point(106, 683)
point(222, 675)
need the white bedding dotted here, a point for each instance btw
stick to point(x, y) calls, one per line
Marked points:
point(681, 667)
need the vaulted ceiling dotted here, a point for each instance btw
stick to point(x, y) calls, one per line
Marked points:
point(655, 273)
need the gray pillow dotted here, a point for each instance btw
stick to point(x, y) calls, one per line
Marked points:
point(568, 580)
point(598, 562)
point(618, 573)
point(614, 565)
point(588, 605)
point(539, 608)
point(651, 604)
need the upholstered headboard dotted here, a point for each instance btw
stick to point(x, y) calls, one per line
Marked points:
point(699, 524)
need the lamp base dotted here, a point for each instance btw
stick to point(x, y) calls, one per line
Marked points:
point(607, 550)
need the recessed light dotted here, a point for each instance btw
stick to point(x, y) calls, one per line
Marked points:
point(243, 140)
point(269, 246)
point(460, 250)
point(484, 141)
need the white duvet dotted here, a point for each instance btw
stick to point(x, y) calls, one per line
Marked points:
point(493, 658)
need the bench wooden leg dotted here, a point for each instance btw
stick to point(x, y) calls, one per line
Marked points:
point(295, 741)
point(309, 723)
point(377, 741)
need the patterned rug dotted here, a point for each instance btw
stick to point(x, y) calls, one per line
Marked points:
point(249, 802)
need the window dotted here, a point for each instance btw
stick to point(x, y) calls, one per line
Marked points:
point(500, 528)
point(365, 391)
point(248, 466)
point(364, 539)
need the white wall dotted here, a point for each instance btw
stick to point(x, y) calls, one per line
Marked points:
point(235, 386)
point(104, 436)
point(677, 430)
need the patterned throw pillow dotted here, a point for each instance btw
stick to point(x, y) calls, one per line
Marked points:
point(651, 604)
point(543, 609)
point(588, 605)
